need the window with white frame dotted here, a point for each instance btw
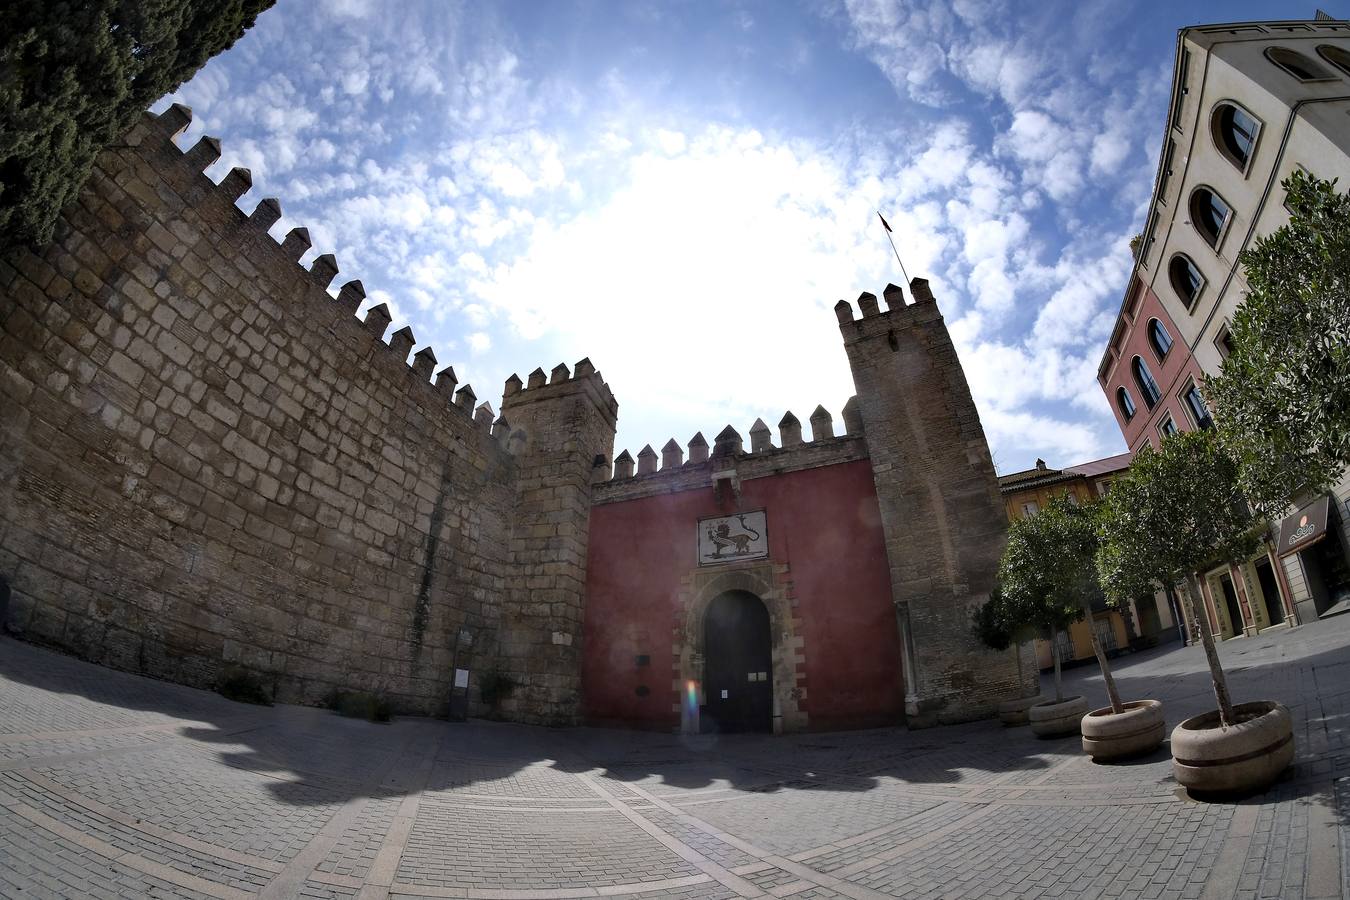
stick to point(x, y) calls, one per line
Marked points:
point(1234, 131)
point(1296, 64)
point(1209, 214)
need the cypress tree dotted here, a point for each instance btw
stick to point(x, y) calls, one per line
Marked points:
point(74, 74)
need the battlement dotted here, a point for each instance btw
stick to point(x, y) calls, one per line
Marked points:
point(643, 477)
point(584, 378)
point(282, 260)
point(899, 313)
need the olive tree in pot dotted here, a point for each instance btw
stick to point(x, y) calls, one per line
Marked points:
point(1042, 580)
point(995, 627)
point(1060, 552)
point(1176, 511)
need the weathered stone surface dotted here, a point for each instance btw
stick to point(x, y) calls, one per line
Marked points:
point(940, 508)
point(208, 462)
point(569, 425)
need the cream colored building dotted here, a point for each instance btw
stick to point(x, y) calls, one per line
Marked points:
point(1251, 103)
point(1147, 622)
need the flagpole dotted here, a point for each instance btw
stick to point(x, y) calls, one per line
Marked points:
point(887, 226)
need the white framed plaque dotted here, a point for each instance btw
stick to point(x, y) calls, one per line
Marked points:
point(724, 539)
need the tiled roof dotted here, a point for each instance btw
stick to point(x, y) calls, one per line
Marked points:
point(1117, 463)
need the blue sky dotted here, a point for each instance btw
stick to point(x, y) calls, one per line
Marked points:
point(682, 191)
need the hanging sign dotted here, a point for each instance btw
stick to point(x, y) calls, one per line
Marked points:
point(724, 539)
point(1304, 527)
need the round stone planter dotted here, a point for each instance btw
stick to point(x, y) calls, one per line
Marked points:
point(1247, 755)
point(1109, 735)
point(1057, 718)
point(1014, 712)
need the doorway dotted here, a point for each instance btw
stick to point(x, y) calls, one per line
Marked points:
point(1270, 591)
point(738, 667)
point(1231, 603)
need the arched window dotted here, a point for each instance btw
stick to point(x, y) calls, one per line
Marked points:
point(1296, 64)
point(1125, 403)
point(1143, 380)
point(1208, 214)
point(1186, 279)
point(1234, 130)
point(1158, 337)
point(1336, 56)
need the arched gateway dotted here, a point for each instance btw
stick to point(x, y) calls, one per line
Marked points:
point(738, 664)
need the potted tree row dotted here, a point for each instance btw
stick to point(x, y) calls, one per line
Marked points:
point(1048, 578)
point(1178, 511)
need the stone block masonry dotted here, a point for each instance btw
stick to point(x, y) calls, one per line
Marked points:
point(941, 512)
point(206, 460)
point(562, 435)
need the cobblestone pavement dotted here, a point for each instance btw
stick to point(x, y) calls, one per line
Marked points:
point(112, 785)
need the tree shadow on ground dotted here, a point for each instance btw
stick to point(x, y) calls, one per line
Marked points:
point(1305, 668)
point(313, 756)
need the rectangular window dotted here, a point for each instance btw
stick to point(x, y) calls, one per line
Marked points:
point(1179, 98)
point(1167, 427)
point(1285, 201)
point(1030, 509)
point(1224, 342)
point(1195, 405)
point(1147, 243)
point(1166, 172)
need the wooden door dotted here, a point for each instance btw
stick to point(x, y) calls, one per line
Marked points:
point(738, 675)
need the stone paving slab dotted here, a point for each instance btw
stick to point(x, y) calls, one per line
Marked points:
point(114, 785)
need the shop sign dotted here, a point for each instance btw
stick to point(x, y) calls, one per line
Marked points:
point(724, 539)
point(1304, 527)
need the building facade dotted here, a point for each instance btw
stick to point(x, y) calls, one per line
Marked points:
point(210, 464)
point(1251, 103)
point(1118, 628)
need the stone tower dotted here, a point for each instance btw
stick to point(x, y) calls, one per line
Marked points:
point(560, 428)
point(943, 520)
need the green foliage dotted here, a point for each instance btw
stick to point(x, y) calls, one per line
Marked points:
point(1282, 400)
point(1177, 510)
point(74, 74)
point(1048, 566)
point(242, 686)
point(992, 621)
point(359, 705)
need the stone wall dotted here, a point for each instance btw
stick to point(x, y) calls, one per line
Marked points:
point(562, 435)
point(941, 511)
point(206, 459)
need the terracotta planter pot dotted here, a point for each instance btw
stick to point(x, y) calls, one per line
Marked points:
point(1243, 757)
point(1014, 712)
point(1057, 718)
point(1139, 729)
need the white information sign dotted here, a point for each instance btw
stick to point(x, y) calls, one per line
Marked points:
point(733, 538)
point(461, 678)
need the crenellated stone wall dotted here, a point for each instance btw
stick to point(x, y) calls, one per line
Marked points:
point(207, 460)
point(941, 511)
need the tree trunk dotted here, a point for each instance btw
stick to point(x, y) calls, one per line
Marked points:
point(1054, 654)
point(1017, 652)
point(1196, 600)
point(1111, 694)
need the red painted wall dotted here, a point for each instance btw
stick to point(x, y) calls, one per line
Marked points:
point(1173, 373)
point(823, 522)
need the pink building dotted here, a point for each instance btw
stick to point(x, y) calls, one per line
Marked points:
point(1150, 378)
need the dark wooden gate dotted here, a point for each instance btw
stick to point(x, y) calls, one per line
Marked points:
point(738, 672)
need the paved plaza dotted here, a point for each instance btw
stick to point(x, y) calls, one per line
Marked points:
point(116, 785)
